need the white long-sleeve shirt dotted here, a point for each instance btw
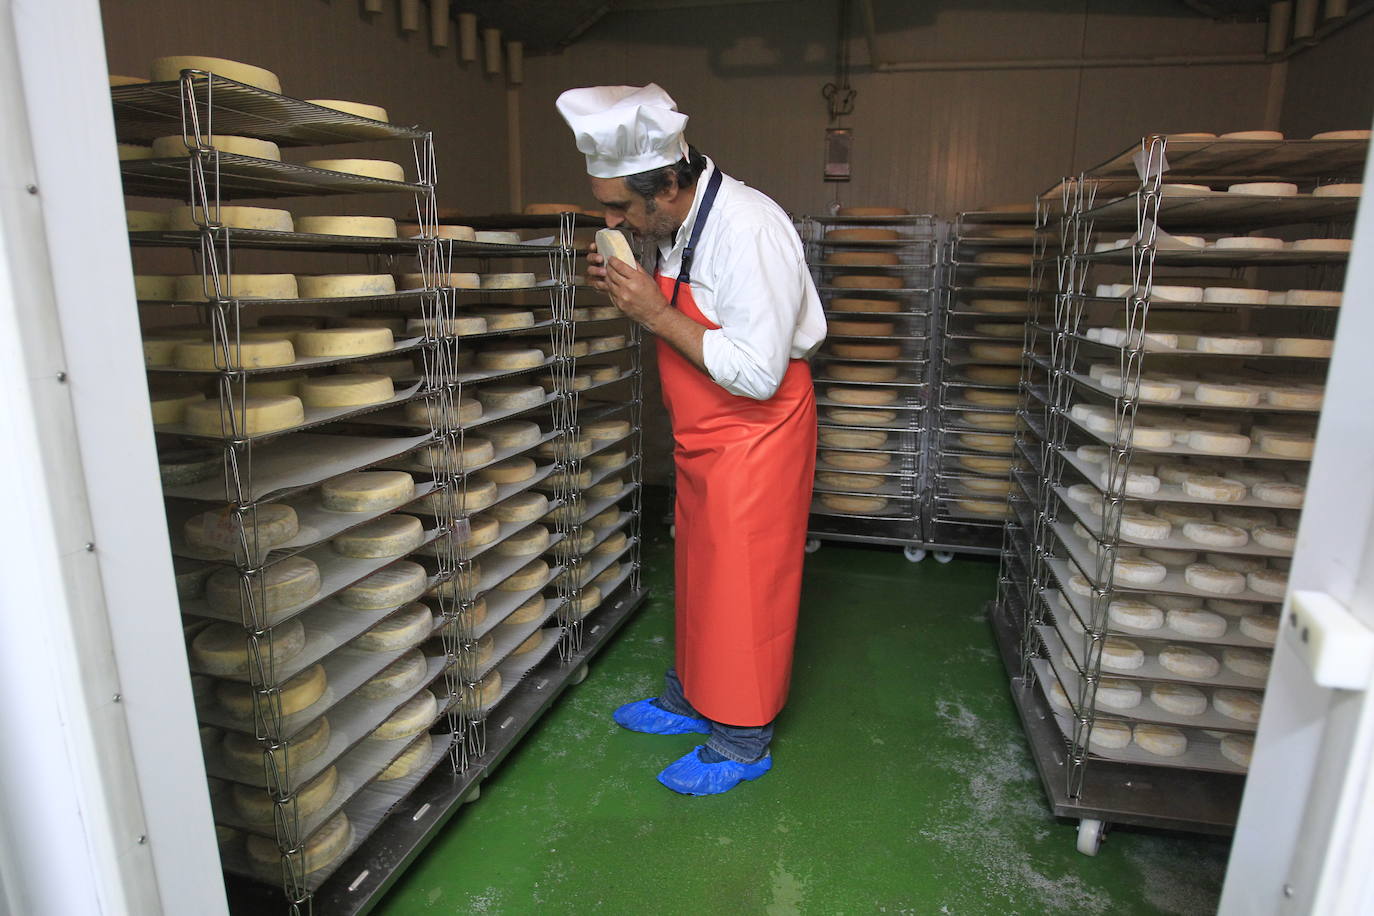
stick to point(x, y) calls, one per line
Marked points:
point(749, 276)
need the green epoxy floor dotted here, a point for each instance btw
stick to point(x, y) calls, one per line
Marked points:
point(901, 783)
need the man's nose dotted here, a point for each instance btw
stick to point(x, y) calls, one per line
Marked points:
point(613, 220)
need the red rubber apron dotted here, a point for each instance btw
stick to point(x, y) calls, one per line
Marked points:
point(744, 478)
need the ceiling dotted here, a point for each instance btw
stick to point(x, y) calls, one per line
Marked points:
point(547, 27)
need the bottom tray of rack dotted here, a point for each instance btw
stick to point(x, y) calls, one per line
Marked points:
point(375, 865)
point(1117, 793)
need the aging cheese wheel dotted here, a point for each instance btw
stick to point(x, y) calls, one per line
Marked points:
point(1186, 661)
point(531, 541)
point(221, 649)
point(389, 536)
point(172, 147)
point(427, 413)
point(170, 406)
point(866, 281)
point(367, 491)
point(863, 259)
point(169, 68)
point(866, 396)
point(192, 287)
point(156, 287)
point(255, 416)
point(391, 586)
point(259, 807)
point(512, 470)
point(244, 754)
point(264, 527)
point(864, 305)
point(299, 693)
point(322, 848)
point(862, 234)
point(842, 328)
point(498, 237)
point(840, 438)
point(511, 397)
point(1179, 699)
point(1108, 734)
point(246, 354)
point(858, 372)
point(511, 358)
point(358, 109)
point(1161, 740)
point(145, 221)
point(130, 151)
point(1264, 189)
point(1241, 705)
point(350, 390)
point(339, 342)
point(508, 281)
point(866, 350)
point(1208, 578)
point(411, 759)
point(532, 575)
point(401, 676)
point(537, 637)
point(523, 507)
point(858, 505)
point(380, 227)
point(380, 169)
point(1247, 662)
point(405, 629)
point(189, 219)
point(415, 715)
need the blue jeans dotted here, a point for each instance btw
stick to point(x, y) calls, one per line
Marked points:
point(742, 744)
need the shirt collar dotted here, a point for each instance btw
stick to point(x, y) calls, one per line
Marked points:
point(667, 250)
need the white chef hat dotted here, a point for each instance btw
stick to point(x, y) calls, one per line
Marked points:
point(624, 130)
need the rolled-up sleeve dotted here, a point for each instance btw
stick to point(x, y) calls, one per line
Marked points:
point(759, 296)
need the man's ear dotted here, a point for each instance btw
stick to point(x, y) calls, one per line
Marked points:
point(671, 193)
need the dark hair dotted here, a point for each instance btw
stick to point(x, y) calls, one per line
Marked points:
point(650, 184)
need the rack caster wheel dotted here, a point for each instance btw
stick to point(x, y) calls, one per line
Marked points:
point(1090, 834)
point(813, 545)
point(672, 532)
point(914, 554)
point(579, 676)
point(943, 556)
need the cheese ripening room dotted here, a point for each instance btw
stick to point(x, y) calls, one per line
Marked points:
point(665, 456)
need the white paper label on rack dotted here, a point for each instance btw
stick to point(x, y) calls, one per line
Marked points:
point(1142, 160)
point(1164, 241)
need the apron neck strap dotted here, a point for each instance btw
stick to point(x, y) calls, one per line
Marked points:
point(704, 211)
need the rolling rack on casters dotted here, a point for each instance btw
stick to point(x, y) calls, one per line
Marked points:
point(876, 278)
point(357, 492)
point(983, 306)
point(1171, 388)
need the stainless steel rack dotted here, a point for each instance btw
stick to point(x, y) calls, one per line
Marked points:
point(1164, 427)
point(982, 306)
point(308, 782)
point(877, 278)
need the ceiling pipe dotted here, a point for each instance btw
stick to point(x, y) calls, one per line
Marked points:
point(1335, 9)
point(438, 23)
point(491, 51)
point(1280, 23)
point(410, 15)
point(467, 37)
point(1304, 19)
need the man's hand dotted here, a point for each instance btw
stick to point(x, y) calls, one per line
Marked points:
point(634, 292)
point(596, 269)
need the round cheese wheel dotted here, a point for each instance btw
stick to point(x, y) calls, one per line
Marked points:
point(357, 109)
point(1264, 189)
point(1215, 535)
point(169, 68)
point(1197, 623)
point(1247, 662)
point(857, 372)
point(1161, 740)
point(986, 398)
point(1280, 494)
point(986, 443)
point(405, 629)
point(410, 760)
point(263, 528)
point(1230, 295)
point(131, 151)
point(1241, 705)
point(244, 754)
point(1144, 527)
point(1171, 558)
point(1287, 445)
point(864, 305)
point(1238, 749)
point(430, 413)
point(1179, 699)
point(1212, 443)
point(864, 396)
point(1275, 537)
point(1134, 613)
point(221, 649)
point(537, 637)
point(532, 575)
point(354, 389)
point(246, 354)
point(322, 848)
point(389, 536)
point(1347, 189)
point(511, 358)
point(1248, 243)
point(523, 507)
point(381, 227)
point(1107, 734)
point(1310, 297)
point(1186, 661)
point(367, 491)
point(863, 259)
point(1181, 513)
point(1218, 489)
point(1117, 694)
point(862, 234)
point(1261, 627)
point(841, 438)
point(280, 586)
point(1121, 654)
point(999, 306)
point(865, 350)
point(391, 586)
point(378, 169)
point(1208, 578)
point(512, 470)
point(858, 505)
point(840, 328)
point(298, 694)
point(415, 715)
point(172, 147)
point(995, 353)
point(529, 542)
point(1336, 245)
point(253, 416)
point(866, 281)
point(1270, 582)
point(259, 807)
point(1296, 397)
point(1236, 563)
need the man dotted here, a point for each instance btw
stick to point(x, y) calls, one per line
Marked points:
point(736, 316)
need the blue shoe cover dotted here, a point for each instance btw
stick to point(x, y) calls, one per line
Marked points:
point(648, 717)
point(689, 776)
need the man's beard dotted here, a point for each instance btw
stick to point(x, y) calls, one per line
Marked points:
point(658, 227)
